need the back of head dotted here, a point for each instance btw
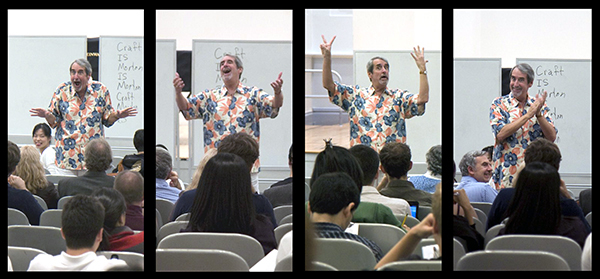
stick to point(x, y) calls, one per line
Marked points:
point(334, 159)
point(331, 192)
point(13, 157)
point(535, 206)
point(82, 218)
point(223, 201)
point(138, 140)
point(164, 163)
point(368, 159)
point(434, 159)
point(240, 144)
point(131, 185)
point(114, 206)
point(543, 150)
point(395, 159)
point(98, 155)
point(30, 169)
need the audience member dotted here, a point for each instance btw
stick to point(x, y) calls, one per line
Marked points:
point(333, 199)
point(82, 220)
point(116, 236)
point(586, 255)
point(395, 164)
point(222, 202)
point(42, 137)
point(476, 170)
point(585, 201)
point(430, 226)
point(280, 193)
point(164, 166)
point(463, 225)
point(368, 160)
point(538, 187)
point(30, 169)
point(539, 150)
point(98, 157)
point(433, 176)
point(134, 162)
point(196, 177)
point(18, 197)
point(246, 147)
point(339, 159)
point(131, 185)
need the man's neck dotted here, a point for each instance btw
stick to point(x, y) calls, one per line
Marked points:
point(327, 218)
point(231, 87)
point(78, 252)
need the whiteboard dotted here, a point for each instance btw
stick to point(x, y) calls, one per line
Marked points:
point(263, 61)
point(167, 125)
point(36, 67)
point(424, 131)
point(121, 70)
point(568, 83)
point(477, 82)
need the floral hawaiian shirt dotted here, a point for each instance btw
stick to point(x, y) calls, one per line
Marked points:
point(509, 154)
point(224, 114)
point(78, 121)
point(375, 120)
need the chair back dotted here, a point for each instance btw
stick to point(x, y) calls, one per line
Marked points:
point(62, 201)
point(564, 247)
point(199, 260)
point(47, 239)
point(51, 218)
point(511, 261)
point(384, 235)
point(281, 230)
point(459, 251)
point(282, 211)
point(484, 206)
point(284, 264)
point(41, 201)
point(246, 246)
point(134, 260)
point(421, 265)
point(170, 228)
point(164, 207)
point(344, 254)
point(17, 217)
point(20, 257)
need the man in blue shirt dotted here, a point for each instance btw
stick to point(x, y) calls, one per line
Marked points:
point(164, 165)
point(476, 170)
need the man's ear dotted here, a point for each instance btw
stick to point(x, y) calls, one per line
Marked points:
point(348, 210)
point(308, 208)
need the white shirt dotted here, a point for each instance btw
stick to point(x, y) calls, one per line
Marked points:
point(88, 261)
point(397, 205)
point(48, 159)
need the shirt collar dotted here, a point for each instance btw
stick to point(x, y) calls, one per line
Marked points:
point(239, 89)
point(372, 90)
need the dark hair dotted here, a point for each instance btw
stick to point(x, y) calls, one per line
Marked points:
point(291, 155)
point(543, 150)
point(114, 207)
point(368, 159)
point(331, 192)
point(97, 155)
point(14, 156)
point(138, 140)
point(82, 218)
point(241, 144)
point(223, 201)
point(395, 159)
point(336, 158)
point(45, 129)
point(535, 206)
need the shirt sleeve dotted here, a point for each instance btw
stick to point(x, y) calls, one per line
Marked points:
point(498, 116)
point(197, 104)
point(409, 104)
point(265, 105)
point(108, 108)
point(343, 95)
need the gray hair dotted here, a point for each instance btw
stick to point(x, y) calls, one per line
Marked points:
point(468, 160)
point(238, 61)
point(434, 159)
point(526, 69)
point(97, 155)
point(370, 63)
point(164, 163)
point(83, 63)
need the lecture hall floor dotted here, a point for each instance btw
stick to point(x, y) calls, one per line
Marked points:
point(314, 135)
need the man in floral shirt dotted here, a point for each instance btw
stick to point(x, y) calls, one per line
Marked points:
point(79, 110)
point(377, 113)
point(517, 120)
point(231, 108)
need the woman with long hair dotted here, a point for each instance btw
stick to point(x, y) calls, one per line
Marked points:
point(223, 202)
point(30, 169)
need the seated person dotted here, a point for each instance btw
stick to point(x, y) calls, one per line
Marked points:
point(331, 204)
point(82, 220)
point(18, 197)
point(134, 162)
point(280, 193)
point(131, 185)
point(476, 169)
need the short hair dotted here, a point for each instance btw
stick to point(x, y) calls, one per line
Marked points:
point(114, 206)
point(526, 69)
point(291, 155)
point(368, 160)
point(14, 156)
point(98, 155)
point(82, 218)
point(138, 140)
point(241, 144)
point(164, 163)
point(433, 157)
point(331, 192)
point(131, 186)
point(238, 61)
point(468, 160)
point(45, 129)
point(83, 63)
point(370, 63)
point(336, 158)
point(395, 159)
point(543, 150)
